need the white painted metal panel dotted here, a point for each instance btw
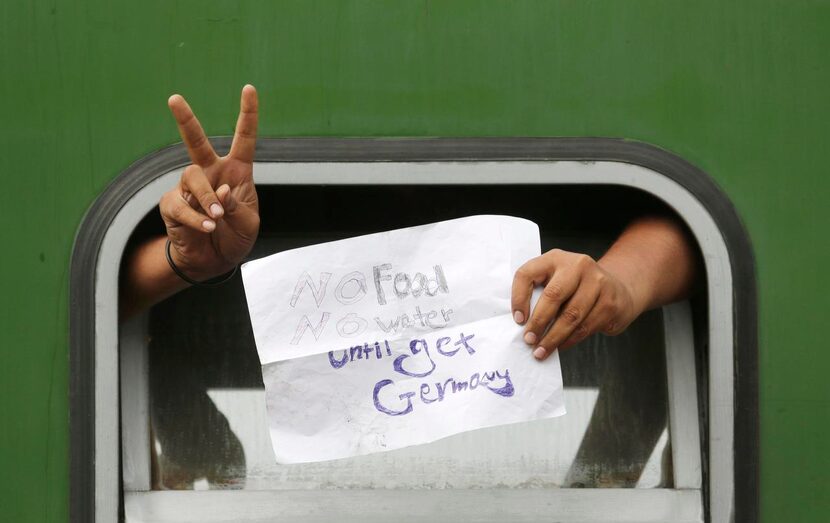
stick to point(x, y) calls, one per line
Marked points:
point(382, 506)
point(683, 411)
point(135, 431)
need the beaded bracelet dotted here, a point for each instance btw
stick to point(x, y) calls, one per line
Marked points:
point(207, 283)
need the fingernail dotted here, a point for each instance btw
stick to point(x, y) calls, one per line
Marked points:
point(216, 210)
point(530, 338)
point(518, 317)
point(540, 353)
point(208, 225)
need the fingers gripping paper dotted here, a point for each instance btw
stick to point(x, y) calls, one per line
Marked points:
point(395, 339)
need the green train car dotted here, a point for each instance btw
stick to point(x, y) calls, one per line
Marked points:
point(383, 114)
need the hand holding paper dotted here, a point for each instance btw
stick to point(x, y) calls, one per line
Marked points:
point(396, 339)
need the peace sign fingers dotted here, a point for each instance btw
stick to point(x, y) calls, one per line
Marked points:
point(198, 146)
point(244, 139)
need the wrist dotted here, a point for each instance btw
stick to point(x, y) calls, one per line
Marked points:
point(181, 270)
point(628, 276)
point(178, 264)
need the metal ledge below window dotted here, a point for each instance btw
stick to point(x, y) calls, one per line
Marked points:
point(368, 506)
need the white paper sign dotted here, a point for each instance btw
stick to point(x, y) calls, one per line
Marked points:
point(397, 338)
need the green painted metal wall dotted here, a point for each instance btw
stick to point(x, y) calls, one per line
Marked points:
point(738, 88)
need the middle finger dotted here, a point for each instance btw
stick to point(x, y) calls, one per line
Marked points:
point(561, 286)
point(573, 313)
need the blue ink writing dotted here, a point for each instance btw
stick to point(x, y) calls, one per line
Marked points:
point(413, 347)
point(358, 352)
point(395, 403)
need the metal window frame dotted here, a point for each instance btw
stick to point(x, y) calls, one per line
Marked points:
point(95, 441)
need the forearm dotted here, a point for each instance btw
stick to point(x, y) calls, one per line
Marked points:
point(655, 259)
point(147, 278)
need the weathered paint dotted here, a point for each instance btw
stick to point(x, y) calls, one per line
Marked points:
point(738, 88)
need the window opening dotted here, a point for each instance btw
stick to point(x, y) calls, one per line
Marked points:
point(205, 391)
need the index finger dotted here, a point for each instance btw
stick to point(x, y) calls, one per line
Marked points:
point(198, 146)
point(244, 139)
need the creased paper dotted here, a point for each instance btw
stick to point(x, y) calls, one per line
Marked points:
point(397, 338)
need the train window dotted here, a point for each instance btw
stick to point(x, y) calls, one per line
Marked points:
point(638, 442)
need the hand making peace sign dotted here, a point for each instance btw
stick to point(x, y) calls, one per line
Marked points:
point(212, 215)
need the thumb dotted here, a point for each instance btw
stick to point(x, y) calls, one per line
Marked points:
point(228, 201)
point(241, 218)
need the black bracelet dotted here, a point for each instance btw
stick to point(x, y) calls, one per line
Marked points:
point(207, 283)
